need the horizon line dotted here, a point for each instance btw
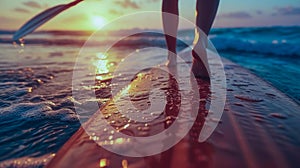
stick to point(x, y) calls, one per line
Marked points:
point(75, 30)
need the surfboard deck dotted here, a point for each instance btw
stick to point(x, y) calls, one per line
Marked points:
point(258, 127)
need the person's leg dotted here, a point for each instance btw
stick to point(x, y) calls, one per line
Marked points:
point(205, 14)
point(170, 25)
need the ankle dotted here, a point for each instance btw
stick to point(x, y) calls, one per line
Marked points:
point(172, 55)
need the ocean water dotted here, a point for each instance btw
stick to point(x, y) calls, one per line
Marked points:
point(36, 103)
point(271, 53)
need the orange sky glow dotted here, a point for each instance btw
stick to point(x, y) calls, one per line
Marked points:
point(92, 14)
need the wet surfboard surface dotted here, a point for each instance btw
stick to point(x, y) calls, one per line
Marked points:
point(259, 126)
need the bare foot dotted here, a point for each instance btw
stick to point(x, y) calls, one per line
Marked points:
point(172, 60)
point(200, 64)
point(199, 70)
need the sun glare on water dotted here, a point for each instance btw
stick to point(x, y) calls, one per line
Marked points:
point(98, 21)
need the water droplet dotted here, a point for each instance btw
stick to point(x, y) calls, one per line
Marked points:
point(168, 122)
point(107, 116)
point(104, 163)
point(94, 138)
point(126, 126)
point(119, 141)
point(124, 163)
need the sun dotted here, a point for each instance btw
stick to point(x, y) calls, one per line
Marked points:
point(98, 21)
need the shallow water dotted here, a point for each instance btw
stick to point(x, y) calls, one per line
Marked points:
point(37, 114)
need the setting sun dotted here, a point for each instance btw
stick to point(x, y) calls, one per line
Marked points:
point(98, 21)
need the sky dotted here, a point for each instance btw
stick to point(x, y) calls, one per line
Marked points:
point(91, 14)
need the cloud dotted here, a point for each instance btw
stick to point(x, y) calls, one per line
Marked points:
point(7, 22)
point(75, 18)
point(33, 4)
point(289, 10)
point(236, 15)
point(127, 4)
point(21, 10)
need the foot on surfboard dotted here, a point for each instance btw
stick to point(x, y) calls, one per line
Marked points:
point(172, 60)
point(198, 68)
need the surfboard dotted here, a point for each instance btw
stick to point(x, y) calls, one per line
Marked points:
point(258, 128)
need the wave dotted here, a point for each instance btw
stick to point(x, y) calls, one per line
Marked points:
point(275, 47)
point(263, 40)
point(274, 30)
point(36, 111)
point(222, 44)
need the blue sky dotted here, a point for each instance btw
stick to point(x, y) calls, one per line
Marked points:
point(232, 13)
